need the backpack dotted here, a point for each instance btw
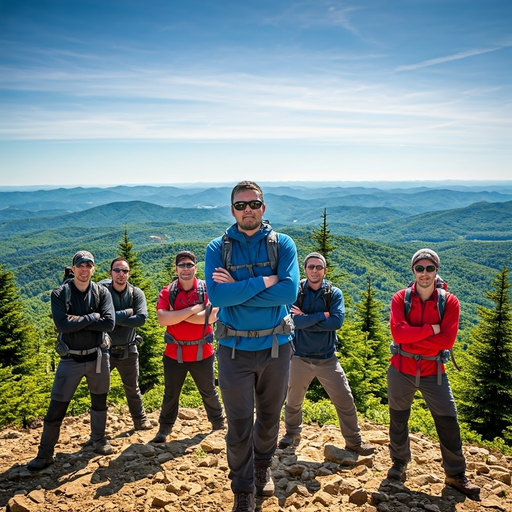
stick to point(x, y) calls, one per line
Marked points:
point(173, 291)
point(441, 298)
point(441, 304)
point(326, 297)
point(272, 243)
point(67, 294)
point(107, 283)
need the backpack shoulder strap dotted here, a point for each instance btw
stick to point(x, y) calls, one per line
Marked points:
point(66, 290)
point(95, 288)
point(173, 292)
point(201, 290)
point(407, 301)
point(327, 297)
point(301, 293)
point(227, 251)
point(441, 301)
point(272, 242)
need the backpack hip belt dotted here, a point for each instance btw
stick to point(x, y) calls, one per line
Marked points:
point(168, 338)
point(285, 327)
point(440, 358)
point(87, 352)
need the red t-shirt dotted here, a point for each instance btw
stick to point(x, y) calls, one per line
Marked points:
point(184, 331)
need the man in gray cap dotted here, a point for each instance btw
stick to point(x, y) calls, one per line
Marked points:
point(318, 313)
point(83, 313)
point(424, 323)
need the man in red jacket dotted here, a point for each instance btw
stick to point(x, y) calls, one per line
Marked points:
point(422, 336)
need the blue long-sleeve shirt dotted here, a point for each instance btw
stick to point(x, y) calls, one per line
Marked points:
point(246, 304)
point(315, 335)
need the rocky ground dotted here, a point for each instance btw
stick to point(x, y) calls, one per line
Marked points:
point(189, 473)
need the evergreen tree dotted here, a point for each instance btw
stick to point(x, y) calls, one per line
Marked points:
point(485, 383)
point(322, 238)
point(17, 336)
point(126, 251)
point(369, 320)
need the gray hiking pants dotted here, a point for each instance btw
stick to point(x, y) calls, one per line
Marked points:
point(252, 380)
point(203, 374)
point(129, 371)
point(331, 376)
point(439, 399)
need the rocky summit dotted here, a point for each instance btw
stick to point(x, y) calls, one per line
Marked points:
point(190, 472)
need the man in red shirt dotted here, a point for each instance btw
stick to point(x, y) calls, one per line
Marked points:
point(422, 336)
point(183, 307)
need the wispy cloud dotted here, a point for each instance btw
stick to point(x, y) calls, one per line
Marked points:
point(448, 58)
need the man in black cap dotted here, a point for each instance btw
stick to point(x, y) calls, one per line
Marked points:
point(424, 323)
point(83, 313)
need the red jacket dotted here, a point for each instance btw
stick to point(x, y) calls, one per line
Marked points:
point(184, 331)
point(415, 333)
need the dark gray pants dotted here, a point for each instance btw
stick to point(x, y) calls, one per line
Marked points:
point(174, 376)
point(252, 379)
point(440, 401)
point(129, 371)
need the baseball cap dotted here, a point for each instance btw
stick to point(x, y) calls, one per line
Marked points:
point(185, 254)
point(82, 257)
point(426, 254)
point(314, 255)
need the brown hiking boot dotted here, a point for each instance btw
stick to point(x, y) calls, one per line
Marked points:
point(362, 448)
point(244, 502)
point(263, 481)
point(462, 484)
point(397, 471)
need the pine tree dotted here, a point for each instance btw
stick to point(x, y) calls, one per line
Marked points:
point(17, 336)
point(485, 383)
point(369, 320)
point(323, 238)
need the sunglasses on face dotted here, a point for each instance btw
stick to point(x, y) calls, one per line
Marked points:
point(186, 265)
point(123, 270)
point(318, 267)
point(242, 205)
point(428, 268)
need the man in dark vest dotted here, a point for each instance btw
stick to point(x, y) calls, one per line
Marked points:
point(131, 312)
point(83, 313)
point(184, 308)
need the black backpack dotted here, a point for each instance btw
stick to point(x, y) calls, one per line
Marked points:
point(326, 297)
point(173, 291)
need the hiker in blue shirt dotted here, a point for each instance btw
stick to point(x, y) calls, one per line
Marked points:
point(318, 313)
point(252, 275)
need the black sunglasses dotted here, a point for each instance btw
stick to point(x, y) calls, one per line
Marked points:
point(428, 268)
point(123, 270)
point(242, 205)
point(186, 265)
point(318, 267)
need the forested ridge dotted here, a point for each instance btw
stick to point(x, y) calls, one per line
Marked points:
point(34, 251)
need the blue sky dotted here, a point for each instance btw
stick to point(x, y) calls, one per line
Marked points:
point(124, 92)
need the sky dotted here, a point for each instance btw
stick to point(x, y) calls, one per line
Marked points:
point(106, 92)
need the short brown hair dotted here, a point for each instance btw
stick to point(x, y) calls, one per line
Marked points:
point(246, 185)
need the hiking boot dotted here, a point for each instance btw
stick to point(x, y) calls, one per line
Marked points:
point(143, 424)
point(39, 463)
point(219, 424)
point(101, 447)
point(362, 448)
point(462, 484)
point(244, 502)
point(263, 481)
point(160, 437)
point(397, 471)
point(289, 440)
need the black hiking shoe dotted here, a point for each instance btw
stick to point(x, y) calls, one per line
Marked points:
point(362, 448)
point(39, 463)
point(143, 424)
point(263, 481)
point(101, 447)
point(289, 440)
point(397, 471)
point(244, 502)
